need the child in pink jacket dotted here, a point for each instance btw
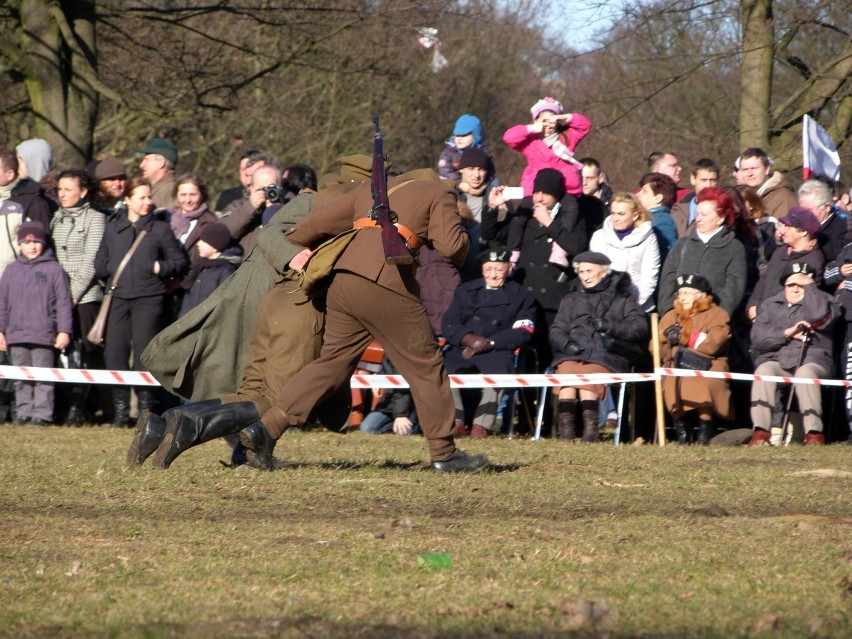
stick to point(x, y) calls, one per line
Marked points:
point(548, 142)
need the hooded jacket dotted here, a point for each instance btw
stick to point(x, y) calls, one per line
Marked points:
point(35, 303)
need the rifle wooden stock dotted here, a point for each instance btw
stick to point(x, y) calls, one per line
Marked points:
point(396, 252)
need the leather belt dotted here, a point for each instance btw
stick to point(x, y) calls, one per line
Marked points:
point(411, 240)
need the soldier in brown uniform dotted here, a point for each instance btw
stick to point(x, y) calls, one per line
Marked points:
point(367, 299)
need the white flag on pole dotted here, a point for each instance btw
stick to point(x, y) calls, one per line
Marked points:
point(819, 151)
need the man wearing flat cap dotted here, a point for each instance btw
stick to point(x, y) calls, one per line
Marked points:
point(158, 165)
point(794, 325)
point(798, 230)
point(111, 177)
point(487, 320)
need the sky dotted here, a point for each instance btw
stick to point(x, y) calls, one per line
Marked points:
point(579, 23)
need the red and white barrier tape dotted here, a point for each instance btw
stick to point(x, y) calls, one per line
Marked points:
point(143, 378)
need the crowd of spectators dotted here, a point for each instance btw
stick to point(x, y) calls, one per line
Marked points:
point(562, 274)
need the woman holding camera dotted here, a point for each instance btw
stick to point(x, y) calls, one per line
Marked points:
point(596, 330)
point(695, 335)
point(136, 311)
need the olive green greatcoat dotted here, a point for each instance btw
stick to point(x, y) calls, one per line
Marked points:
point(203, 353)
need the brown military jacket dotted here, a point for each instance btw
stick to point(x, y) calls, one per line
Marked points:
point(426, 207)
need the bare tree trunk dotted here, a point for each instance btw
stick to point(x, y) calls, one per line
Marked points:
point(57, 49)
point(756, 72)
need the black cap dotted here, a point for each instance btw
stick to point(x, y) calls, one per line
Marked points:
point(797, 268)
point(592, 257)
point(696, 281)
point(471, 157)
point(494, 255)
point(550, 181)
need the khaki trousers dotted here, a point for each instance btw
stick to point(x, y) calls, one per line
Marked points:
point(358, 310)
point(809, 396)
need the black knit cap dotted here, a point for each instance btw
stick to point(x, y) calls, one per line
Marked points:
point(694, 280)
point(216, 235)
point(550, 181)
point(471, 157)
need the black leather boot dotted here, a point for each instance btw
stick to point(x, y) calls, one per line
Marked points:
point(150, 429)
point(147, 399)
point(76, 415)
point(591, 416)
point(681, 431)
point(705, 431)
point(566, 418)
point(121, 407)
point(461, 462)
point(199, 422)
point(259, 446)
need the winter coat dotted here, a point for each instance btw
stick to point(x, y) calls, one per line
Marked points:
point(211, 273)
point(30, 195)
point(244, 222)
point(721, 260)
point(138, 278)
point(540, 156)
point(637, 254)
point(163, 192)
point(35, 303)
point(777, 195)
point(506, 316)
point(770, 284)
point(665, 230)
point(683, 394)
point(77, 235)
point(438, 278)
point(471, 270)
point(611, 299)
point(202, 355)
point(832, 236)
point(11, 216)
point(834, 281)
point(547, 282)
point(775, 315)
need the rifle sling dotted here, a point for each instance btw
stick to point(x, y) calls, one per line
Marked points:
point(411, 240)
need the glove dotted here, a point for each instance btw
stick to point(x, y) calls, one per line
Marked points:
point(672, 334)
point(572, 348)
point(601, 324)
point(475, 345)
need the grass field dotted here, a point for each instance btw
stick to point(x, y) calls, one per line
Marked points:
point(556, 540)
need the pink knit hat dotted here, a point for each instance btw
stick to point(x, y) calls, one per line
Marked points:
point(546, 104)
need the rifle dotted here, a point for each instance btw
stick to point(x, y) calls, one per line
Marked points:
point(396, 252)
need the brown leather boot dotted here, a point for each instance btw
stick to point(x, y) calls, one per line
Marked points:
point(566, 417)
point(591, 416)
point(759, 437)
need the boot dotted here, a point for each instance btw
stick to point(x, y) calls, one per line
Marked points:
point(591, 415)
point(199, 422)
point(259, 446)
point(566, 418)
point(76, 415)
point(681, 431)
point(121, 407)
point(461, 462)
point(759, 437)
point(147, 399)
point(150, 429)
point(705, 431)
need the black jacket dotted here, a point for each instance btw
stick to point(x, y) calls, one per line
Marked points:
point(506, 316)
point(210, 274)
point(30, 195)
point(547, 282)
point(138, 279)
point(573, 336)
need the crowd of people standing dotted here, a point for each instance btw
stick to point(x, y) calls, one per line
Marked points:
point(753, 275)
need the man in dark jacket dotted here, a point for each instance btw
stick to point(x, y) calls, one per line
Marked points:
point(796, 325)
point(487, 320)
point(26, 192)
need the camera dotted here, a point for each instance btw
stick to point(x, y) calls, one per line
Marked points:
point(273, 193)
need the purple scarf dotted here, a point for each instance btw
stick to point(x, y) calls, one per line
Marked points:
point(179, 221)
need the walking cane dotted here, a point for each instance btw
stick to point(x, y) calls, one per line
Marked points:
point(806, 337)
point(658, 385)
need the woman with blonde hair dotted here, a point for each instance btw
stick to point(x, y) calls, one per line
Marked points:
point(627, 238)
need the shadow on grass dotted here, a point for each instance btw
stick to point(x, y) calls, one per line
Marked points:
point(388, 464)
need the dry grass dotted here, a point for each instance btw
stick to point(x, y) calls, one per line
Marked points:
point(557, 540)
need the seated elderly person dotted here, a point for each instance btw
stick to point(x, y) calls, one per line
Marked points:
point(695, 335)
point(486, 321)
point(597, 329)
point(792, 336)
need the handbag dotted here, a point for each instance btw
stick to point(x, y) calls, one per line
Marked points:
point(315, 277)
point(96, 333)
point(690, 360)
